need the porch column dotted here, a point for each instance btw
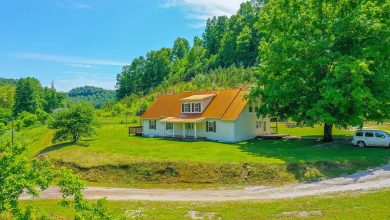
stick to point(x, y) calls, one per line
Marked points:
point(173, 129)
point(184, 130)
point(195, 129)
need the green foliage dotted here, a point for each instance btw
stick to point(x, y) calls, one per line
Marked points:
point(117, 109)
point(52, 99)
point(26, 119)
point(4, 81)
point(325, 61)
point(5, 115)
point(73, 123)
point(28, 95)
point(98, 97)
point(7, 96)
point(42, 116)
point(226, 42)
point(2, 128)
point(18, 176)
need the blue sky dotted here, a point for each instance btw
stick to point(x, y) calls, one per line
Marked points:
point(85, 42)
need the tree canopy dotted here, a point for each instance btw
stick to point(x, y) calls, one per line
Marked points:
point(72, 123)
point(325, 61)
point(98, 97)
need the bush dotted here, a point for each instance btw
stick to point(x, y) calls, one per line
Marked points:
point(117, 109)
point(2, 128)
point(42, 116)
point(26, 119)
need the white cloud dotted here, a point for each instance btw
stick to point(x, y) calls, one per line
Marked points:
point(67, 59)
point(80, 65)
point(74, 5)
point(201, 10)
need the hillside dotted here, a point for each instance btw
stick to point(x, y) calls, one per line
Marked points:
point(4, 81)
point(98, 97)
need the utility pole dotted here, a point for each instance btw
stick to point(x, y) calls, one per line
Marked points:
point(12, 132)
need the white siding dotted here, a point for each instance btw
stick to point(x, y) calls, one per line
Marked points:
point(246, 128)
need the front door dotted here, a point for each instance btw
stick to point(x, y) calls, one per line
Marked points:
point(189, 129)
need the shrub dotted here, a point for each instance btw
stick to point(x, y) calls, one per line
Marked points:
point(2, 128)
point(26, 119)
point(42, 116)
point(117, 109)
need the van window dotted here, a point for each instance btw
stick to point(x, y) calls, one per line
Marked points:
point(369, 134)
point(380, 135)
point(359, 134)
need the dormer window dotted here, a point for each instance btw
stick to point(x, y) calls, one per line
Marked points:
point(195, 103)
point(186, 107)
point(191, 108)
point(196, 107)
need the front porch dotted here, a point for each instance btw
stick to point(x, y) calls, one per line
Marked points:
point(185, 138)
point(182, 128)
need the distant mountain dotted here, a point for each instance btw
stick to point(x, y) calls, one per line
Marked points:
point(4, 81)
point(94, 95)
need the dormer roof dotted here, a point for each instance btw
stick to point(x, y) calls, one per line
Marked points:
point(197, 98)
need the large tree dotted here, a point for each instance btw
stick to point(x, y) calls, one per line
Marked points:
point(73, 123)
point(28, 95)
point(325, 61)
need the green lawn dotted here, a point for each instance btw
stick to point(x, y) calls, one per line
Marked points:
point(373, 205)
point(113, 146)
point(112, 157)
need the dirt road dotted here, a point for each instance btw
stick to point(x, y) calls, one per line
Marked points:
point(362, 181)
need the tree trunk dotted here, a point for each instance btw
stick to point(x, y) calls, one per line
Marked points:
point(328, 132)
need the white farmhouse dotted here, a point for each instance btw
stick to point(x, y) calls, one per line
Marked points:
point(224, 116)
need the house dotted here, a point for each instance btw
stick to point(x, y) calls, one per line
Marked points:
point(223, 115)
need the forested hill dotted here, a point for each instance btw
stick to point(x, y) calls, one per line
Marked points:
point(227, 42)
point(4, 81)
point(94, 95)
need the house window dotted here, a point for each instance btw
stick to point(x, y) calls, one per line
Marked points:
point(196, 107)
point(191, 108)
point(169, 126)
point(185, 107)
point(152, 124)
point(265, 125)
point(190, 126)
point(250, 108)
point(211, 126)
point(258, 124)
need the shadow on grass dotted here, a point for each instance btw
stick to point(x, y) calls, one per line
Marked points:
point(63, 145)
point(311, 160)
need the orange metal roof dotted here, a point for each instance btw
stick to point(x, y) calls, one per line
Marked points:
point(226, 105)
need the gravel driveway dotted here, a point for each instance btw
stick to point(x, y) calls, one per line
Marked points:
point(362, 181)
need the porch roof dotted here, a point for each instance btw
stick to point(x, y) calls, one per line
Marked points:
point(183, 120)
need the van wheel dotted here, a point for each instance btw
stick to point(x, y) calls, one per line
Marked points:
point(361, 144)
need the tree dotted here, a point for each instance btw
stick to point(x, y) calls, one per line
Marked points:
point(181, 46)
point(19, 175)
point(7, 96)
point(73, 123)
point(52, 98)
point(325, 61)
point(28, 95)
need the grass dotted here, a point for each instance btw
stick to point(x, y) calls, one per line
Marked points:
point(112, 146)
point(111, 157)
point(373, 205)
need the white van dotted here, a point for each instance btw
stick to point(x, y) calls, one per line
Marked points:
point(364, 138)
